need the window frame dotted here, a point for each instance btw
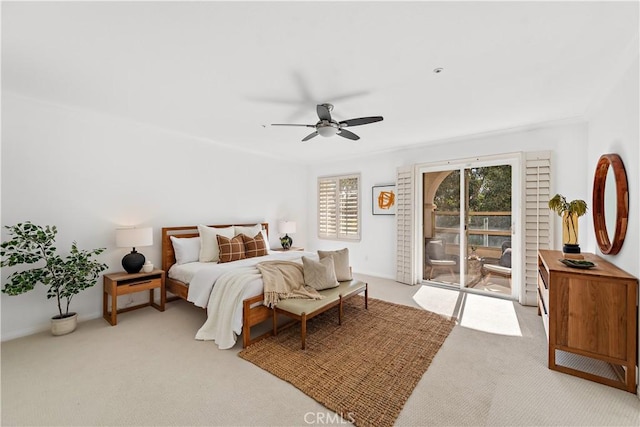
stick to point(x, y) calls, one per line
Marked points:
point(344, 236)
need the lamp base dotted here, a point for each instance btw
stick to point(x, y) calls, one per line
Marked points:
point(133, 262)
point(286, 242)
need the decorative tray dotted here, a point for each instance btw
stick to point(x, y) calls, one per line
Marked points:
point(577, 263)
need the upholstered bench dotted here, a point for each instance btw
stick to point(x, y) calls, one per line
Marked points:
point(304, 309)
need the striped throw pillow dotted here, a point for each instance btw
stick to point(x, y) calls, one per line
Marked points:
point(255, 246)
point(230, 249)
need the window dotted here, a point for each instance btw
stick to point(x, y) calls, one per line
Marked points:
point(339, 207)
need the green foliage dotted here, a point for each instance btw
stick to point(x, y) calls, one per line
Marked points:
point(64, 277)
point(559, 205)
point(489, 190)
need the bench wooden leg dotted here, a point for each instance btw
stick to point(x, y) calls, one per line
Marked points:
point(366, 296)
point(303, 329)
point(275, 322)
point(340, 312)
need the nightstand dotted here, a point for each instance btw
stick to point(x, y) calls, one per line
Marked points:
point(116, 284)
point(292, 248)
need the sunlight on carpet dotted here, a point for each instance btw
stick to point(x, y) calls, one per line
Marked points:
point(482, 313)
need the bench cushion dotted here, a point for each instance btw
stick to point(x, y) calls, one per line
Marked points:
point(298, 306)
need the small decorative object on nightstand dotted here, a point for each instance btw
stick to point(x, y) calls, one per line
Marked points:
point(130, 238)
point(116, 284)
point(286, 227)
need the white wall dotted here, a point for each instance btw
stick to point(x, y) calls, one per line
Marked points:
point(88, 173)
point(614, 127)
point(375, 254)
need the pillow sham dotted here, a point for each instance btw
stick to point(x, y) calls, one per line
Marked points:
point(209, 251)
point(255, 246)
point(186, 249)
point(230, 249)
point(319, 274)
point(341, 263)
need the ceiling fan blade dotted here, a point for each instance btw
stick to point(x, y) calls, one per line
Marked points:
point(349, 135)
point(308, 137)
point(323, 112)
point(361, 121)
point(288, 124)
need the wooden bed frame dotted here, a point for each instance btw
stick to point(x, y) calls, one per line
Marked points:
point(251, 316)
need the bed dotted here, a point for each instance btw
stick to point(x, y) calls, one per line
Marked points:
point(180, 276)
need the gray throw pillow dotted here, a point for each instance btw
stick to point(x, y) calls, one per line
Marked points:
point(319, 275)
point(340, 261)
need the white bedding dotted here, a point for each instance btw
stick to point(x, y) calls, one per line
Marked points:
point(202, 277)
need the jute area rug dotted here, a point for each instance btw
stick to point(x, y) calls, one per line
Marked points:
point(364, 370)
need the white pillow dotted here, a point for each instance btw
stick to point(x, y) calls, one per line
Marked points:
point(187, 249)
point(266, 240)
point(251, 231)
point(209, 251)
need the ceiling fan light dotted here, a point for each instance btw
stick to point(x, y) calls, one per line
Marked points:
point(327, 131)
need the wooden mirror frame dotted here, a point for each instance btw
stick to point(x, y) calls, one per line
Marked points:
point(606, 161)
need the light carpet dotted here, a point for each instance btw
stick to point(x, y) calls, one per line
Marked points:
point(364, 369)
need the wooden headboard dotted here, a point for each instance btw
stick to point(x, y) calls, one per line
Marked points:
point(168, 254)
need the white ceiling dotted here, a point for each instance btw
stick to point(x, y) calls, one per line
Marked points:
point(222, 70)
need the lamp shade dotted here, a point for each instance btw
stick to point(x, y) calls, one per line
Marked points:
point(287, 227)
point(134, 237)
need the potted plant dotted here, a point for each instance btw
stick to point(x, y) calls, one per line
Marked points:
point(570, 212)
point(64, 277)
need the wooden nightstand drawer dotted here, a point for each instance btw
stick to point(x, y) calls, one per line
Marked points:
point(138, 285)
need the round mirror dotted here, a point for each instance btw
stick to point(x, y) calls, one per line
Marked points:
point(610, 203)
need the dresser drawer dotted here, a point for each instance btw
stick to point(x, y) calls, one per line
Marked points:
point(543, 290)
point(544, 312)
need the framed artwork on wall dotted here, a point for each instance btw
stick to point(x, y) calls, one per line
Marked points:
point(383, 199)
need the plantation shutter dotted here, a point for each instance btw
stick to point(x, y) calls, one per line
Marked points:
point(405, 229)
point(349, 212)
point(327, 207)
point(339, 207)
point(538, 218)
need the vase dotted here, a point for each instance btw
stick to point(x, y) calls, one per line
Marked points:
point(64, 325)
point(570, 233)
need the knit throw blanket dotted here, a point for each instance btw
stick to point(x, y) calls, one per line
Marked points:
point(282, 280)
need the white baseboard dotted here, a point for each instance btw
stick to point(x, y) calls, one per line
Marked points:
point(45, 327)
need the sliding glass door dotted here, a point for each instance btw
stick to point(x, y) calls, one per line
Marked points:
point(467, 226)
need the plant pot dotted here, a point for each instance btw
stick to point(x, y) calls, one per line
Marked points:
point(64, 325)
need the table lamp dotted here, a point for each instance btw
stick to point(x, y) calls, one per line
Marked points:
point(286, 227)
point(132, 238)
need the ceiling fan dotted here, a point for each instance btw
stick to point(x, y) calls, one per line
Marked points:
point(326, 126)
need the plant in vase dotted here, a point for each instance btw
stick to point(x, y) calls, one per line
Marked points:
point(570, 212)
point(64, 277)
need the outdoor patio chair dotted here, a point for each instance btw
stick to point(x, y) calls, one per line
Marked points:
point(435, 257)
point(503, 268)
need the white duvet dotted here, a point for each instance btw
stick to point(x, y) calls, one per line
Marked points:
point(239, 279)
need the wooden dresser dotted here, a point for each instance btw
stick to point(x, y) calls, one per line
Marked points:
point(591, 313)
